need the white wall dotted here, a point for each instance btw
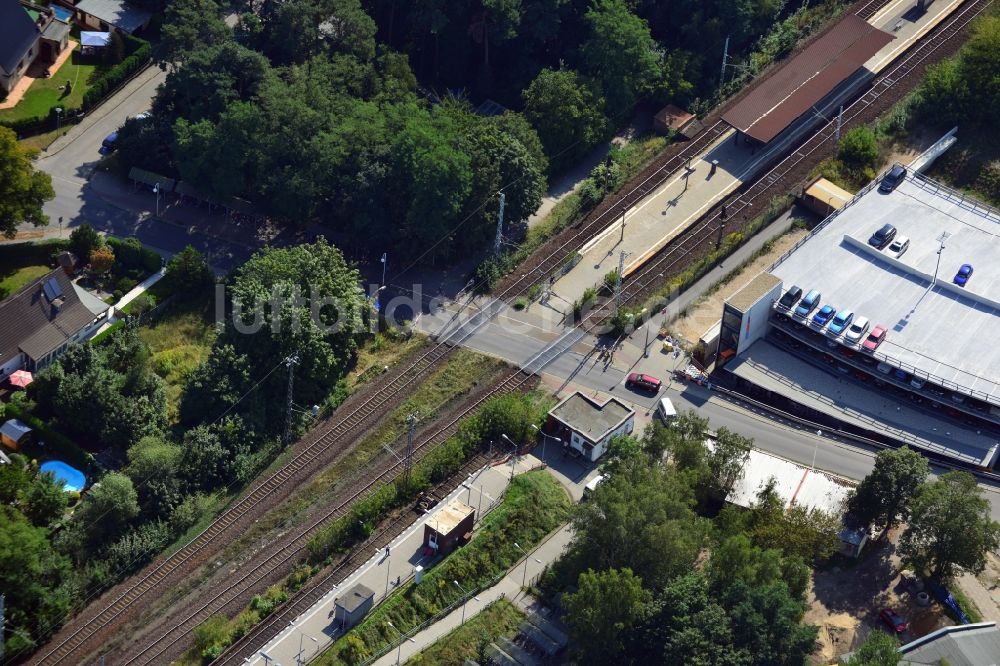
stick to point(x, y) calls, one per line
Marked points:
point(11, 366)
point(755, 320)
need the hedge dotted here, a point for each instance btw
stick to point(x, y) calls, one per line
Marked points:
point(57, 445)
point(100, 88)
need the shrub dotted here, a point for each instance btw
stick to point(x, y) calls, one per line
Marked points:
point(859, 149)
point(487, 274)
point(125, 285)
point(988, 181)
point(521, 303)
point(103, 86)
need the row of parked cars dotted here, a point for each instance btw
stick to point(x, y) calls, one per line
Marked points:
point(837, 323)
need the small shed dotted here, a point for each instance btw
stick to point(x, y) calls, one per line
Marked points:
point(67, 261)
point(14, 434)
point(823, 197)
point(449, 527)
point(353, 606)
point(675, 119)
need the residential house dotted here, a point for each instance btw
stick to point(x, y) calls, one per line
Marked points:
point(28, 33)
point(39, 322)
point(586, 426)
point(106, 14)
point(961, 645)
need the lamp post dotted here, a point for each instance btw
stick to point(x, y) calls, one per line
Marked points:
point(58, 110)
point(384, 258)
point(940, 239)
point(524, 576)
point(156, 191)
point(402, 638)
point(513, 456)
point(268, 659)
point(298, 657)
point(464, 603)
point(544, 437)
point(623, 226)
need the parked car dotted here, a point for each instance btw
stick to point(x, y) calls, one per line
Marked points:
point(893, 620)
point(896, 175)
point(840, 322)
point(898, 246)
point(824, 315)
point(901, 375)
point(882, 237)
point(874, 338)
point(884, 368)
point(963, 275)
point(917, 383)
point(791, 297)
point(957, 398)
point(666, 411)
point(643, 382)
point(857, 329)
point(109, 146)
point(808, 303)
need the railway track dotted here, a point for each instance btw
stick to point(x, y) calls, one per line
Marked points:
point(295, 548)
point(388, 395)
point(710, 228)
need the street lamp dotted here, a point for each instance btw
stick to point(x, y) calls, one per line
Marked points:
point(268, 659)
point(156, 191)
point(524, 576)
point(544, 437)
point(58, 111)
point(384, 258)
point(513, 457)
point(401, 639)
point(298, 658)
point(464, 603)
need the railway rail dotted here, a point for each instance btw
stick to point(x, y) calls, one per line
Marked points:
point(296, 546)
point(68, 649)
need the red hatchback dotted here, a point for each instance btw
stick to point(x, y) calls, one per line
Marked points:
point(874, 338)
point(892, 620)
point(643, 382)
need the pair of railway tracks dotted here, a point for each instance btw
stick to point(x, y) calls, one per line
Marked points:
point(389, 394)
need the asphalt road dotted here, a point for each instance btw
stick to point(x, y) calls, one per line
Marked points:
point(71, 160)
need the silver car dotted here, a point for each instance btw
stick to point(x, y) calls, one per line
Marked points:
point(897, 247)
point(857, 330)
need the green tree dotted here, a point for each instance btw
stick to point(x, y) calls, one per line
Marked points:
point(188, 274)
point(727, 459)
point(153, 467)
point(23, 190)
point(108, 508)
point(859, 148)
point(950, 528)
point(15, 479)
point(101, 259)
point(604, 607)
point(884, 495)
point(737, 559)
point(44, 501)
point(620, 53)
point(189, 26)
point(83, 240)
point(879, 649)
point(567, 113)
point(641, 519)
point(979, 67)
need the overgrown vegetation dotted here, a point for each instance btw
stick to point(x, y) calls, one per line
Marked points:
point(500, 618)
point(534, 505)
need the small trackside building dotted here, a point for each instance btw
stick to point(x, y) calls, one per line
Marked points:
point(449, 527)
point(586, 426)
point(353, 606)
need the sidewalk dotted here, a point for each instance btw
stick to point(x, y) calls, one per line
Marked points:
point(129, 297)
point(482, 491)
point(510, 587)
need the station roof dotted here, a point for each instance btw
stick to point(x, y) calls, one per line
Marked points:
point(806, 78)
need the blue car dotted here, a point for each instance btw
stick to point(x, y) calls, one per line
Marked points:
point(963, 275)
point(840, 322)
point(824, 315)
point(109, 145)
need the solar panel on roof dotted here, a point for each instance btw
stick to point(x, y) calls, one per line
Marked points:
point(52, 289)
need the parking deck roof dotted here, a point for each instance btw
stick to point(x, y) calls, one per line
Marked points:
point(942, 332)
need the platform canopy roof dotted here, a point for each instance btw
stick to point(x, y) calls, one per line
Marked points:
point(806, 78)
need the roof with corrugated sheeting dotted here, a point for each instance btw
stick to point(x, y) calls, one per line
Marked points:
point(806, 78)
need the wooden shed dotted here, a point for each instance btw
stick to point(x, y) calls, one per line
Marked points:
point(14, 434)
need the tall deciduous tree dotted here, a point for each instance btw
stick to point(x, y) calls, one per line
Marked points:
point(605, 605)
point(23, 190)
point(950, 528)
point(879, 649)
point(188, 274)
point(568, 114)
point(883, 497)
point(189, 25)
point(620, 53)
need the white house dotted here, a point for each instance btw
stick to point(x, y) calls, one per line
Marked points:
point(586, 426)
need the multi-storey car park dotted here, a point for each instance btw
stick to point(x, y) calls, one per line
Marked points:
point(934, 380)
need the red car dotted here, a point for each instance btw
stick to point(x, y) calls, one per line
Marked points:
point(892, 620)
point(643, 382)
point(874, 338)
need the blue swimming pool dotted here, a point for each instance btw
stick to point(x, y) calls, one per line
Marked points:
point(72, 478)
point(63, 14)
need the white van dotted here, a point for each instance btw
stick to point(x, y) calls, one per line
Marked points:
point(592, 485)
point(666, 411)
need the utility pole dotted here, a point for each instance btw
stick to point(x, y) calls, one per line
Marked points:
point(385, 256)
point(723, 215)
point(618, 280)
point(290, 362)
point(725, 57)
point(411, 428)
point(940, 239)
point(622, 240)
point(3, 622)
point(499, 238)
point(840, 121)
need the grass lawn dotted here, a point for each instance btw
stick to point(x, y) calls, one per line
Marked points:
point(12, 279)
point(500, 618)
point(179, 341)
point(46, 93)
point(535, 505)
point(40, 142)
